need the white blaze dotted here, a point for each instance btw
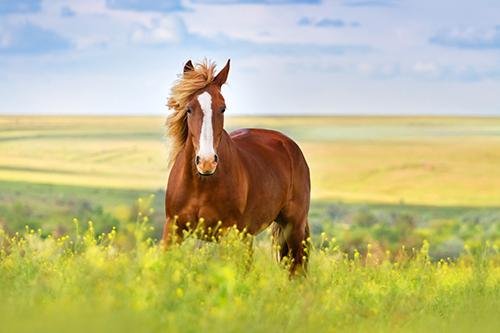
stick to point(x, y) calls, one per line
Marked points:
point(207, 133)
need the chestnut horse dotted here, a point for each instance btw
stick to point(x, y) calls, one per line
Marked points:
point(248, 178)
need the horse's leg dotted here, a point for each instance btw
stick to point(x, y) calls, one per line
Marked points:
point(296, 233)
point(172, 233)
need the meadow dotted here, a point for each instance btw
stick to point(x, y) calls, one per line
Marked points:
point(416, 160)
point(122, 281)
point(405, 218)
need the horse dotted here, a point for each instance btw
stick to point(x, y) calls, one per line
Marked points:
point(247, 179)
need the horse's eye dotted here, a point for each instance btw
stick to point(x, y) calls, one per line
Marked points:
point(188, 110)
point(223, 109)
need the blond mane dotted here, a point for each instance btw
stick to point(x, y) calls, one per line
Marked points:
point(182, 91)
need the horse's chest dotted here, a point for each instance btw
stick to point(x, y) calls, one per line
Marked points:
point(211, 209)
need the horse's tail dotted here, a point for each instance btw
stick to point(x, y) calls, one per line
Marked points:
point(279, 242)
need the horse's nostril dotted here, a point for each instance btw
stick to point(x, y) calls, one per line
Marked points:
point(197, 159)
point(216, 158)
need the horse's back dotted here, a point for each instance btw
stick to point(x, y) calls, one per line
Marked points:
point(259, 135)
point(272, 148)
point(258, 140)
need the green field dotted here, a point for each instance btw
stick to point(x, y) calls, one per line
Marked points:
point(382, 187)
point(120, 282)
point(425, 161)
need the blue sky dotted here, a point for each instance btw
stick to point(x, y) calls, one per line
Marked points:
point(288, 56)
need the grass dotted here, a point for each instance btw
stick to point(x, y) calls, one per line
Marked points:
point(123, 281)
point(52, 208)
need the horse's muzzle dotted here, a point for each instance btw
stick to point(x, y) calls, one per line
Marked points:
point(206, 165)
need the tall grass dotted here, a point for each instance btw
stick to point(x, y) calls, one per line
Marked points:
point(124, 281)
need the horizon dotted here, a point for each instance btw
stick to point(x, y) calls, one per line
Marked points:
point(111, 115)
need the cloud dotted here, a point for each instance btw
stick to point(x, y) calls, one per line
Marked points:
point(146, 5)
point(258, 2)
point(172, 29)
point(176, 5)
point(20, 6)
point(380, 71)
point(327, 23)
point(370, 3)
point(468, 38)
point(243, 47)
point(425, 70)
point(163, 30)
point(28, 38)
point(167, 30)
point(425, 67)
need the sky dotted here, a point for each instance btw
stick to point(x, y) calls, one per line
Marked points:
point(288, 57)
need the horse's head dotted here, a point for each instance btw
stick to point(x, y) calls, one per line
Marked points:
point(205, 119)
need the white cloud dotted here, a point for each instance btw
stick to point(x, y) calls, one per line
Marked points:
point(425, 67)
point(166, 29)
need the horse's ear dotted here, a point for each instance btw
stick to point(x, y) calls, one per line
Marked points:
point(221, 78)
point(188, 66)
